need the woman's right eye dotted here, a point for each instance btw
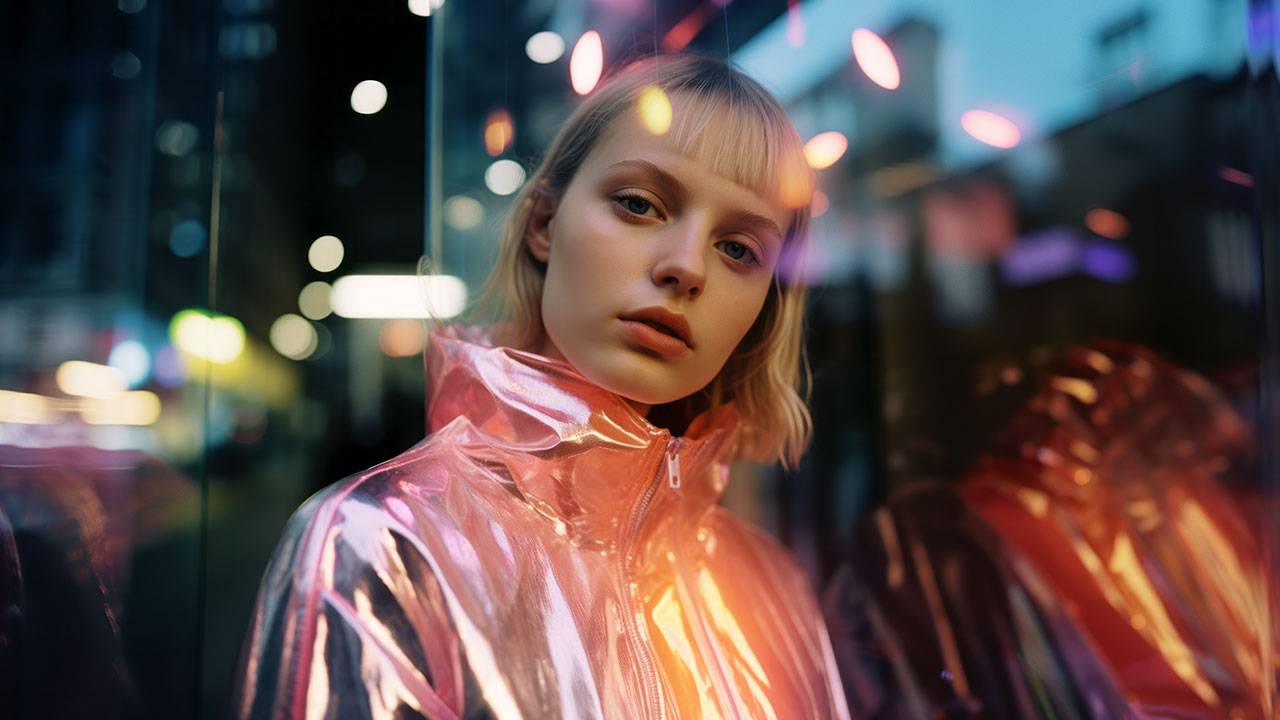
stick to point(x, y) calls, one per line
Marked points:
point(635, 205)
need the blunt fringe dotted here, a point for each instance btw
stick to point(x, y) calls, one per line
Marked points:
point(738, 130)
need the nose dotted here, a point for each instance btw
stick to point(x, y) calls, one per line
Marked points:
point(681, 263)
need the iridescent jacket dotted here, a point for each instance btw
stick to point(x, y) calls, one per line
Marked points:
point(544, 553)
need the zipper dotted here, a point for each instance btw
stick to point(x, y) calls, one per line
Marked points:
point(637, 635)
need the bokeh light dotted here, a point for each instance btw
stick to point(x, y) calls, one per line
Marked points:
point(326, 253)
point(131, 358)
point(1107, 223)
point(176, 138)
point(1239, 177)
point(821, 204)
point(544, 47)
point(586, 63)
point(399, 296)
point(313, 301)
point(139, 407)
point(401, 338)
point(293, 337)
point(990, 128)
point(216, 338)
point(86, 379)
point(654, 109)
point(876, 59)
point(824, 149)
point(424, 8)
point(498, 132)
point(170, 368)
point(187, 238)
point(129, 7)
point(26, 408)
point(462, 212)
point(125, 65)
point(368, 97)
point(795, 24)
point(504, 177)
point(795, 181)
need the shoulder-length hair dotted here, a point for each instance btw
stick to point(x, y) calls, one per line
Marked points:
point(738, 130)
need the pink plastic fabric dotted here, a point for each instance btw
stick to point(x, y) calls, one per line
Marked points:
point(544, 553)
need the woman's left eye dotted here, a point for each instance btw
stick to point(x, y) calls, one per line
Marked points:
point(738, 251)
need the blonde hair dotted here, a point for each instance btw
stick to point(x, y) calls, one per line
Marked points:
point(753, 144)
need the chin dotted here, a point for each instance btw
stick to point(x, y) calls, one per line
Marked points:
point(642, 384)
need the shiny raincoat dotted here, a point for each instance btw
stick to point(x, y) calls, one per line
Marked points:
point(544, 553)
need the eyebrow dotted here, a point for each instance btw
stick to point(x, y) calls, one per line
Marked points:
point(756, 222)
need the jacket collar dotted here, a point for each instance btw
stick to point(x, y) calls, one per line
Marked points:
point(578, 453)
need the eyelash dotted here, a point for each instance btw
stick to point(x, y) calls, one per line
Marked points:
point(619, 199)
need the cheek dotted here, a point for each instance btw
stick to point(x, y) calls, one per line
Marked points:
point(735, 313)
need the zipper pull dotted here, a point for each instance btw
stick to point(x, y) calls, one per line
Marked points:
point(673, 470)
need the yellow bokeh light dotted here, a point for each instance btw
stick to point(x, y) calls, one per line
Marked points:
point(218, 339)
point(498, 132)
point(824, 149)
point(139, 407)
point(326, 253)
point(26, 408)
point(655, 110)
point(587, 62)
point(86, 379)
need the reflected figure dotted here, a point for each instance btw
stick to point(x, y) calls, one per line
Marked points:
point(554, 548)
point(76, 521)
point(1101, 560)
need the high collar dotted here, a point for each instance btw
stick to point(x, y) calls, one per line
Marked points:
point(578, 453)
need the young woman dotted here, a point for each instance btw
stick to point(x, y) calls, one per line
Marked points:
point(554, 549)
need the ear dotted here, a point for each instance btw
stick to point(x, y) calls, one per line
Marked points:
point(537, 234)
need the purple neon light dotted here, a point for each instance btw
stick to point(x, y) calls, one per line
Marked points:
point(1040, 256)
point(1107, 261)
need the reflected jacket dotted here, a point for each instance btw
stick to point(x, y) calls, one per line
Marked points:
point(544, 553)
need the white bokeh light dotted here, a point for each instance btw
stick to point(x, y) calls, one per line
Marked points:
point(504, 177)
point(544, 47)
point(399, 296)
point(424, 8)
point(313, 301)
point(368, 97)
point(131, 358)
point(462, 212)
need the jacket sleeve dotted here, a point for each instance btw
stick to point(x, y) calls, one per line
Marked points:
point(351, 622)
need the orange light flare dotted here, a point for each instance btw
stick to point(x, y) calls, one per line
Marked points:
point(1107, 223)
point(990, 128)
point(795, 24)
point(875, 58)
point(824, 149)
point(795, 186)
point(498, 132)
point(587, 62)
point(401, 338)
point(687, 29)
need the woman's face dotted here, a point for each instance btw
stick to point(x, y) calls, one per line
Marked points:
point(646, 243)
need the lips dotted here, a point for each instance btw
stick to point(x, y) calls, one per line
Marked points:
point(664, 321)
